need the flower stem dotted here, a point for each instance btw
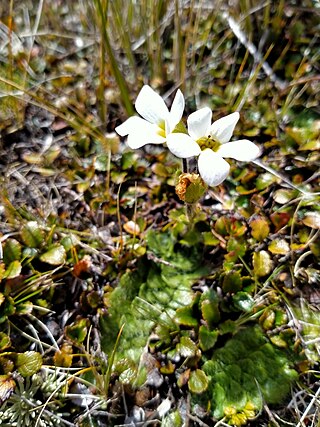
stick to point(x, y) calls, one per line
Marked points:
point(185, 166)
point(190, 211)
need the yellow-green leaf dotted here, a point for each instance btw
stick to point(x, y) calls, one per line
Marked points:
point(28, 363)
point(259, 228)
point(56, 255)
point(11, 251)
point(207, 338)
point(312, 219)
point(187, 347)
point(4, 341)
point(262, 263)
point(32, 235)
point(198, 381)
point(13, 270)
point(279, 247)
point(283, 196)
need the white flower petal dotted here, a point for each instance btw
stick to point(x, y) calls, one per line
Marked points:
point(138, 140)
point(131, 125)
point(151, 106)
point(199, 123)
point(176, 111)
point(242, 150)
point(144, 133)
point(181, 145)
point(223, 128)
point(212, 167)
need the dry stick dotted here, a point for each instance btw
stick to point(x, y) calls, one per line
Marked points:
point(313, 400)
point(284, 179)
point(241, 36)
point(280, 84)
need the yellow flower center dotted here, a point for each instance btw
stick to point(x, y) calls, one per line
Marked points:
point(162, 129)
point(208, 142)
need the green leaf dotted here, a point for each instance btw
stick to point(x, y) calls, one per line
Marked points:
point(13, 270)
point(209, 239)
point(11, 251)
point(191, 238)
point(186, 347)
point(210, 312)
point(56, 255)
point(69, 242)
point(264, 180)
point(29, 252)
point(4, 341)
point(209, 304)
point(172, 420)
point(78, 331)
point(195, 191)
point(32, 235)
point(160, 170)
point(7, 307)
point(185, 316)
point(198, 381)
point(278, 341)
point(2, 270)
point(310, 324)
point(227, 327)
point(222, 226)
point(232, 282)
point(161, 245)
point(311, 145)
point(236, 247)
point(149, 298)
point(28, 363)
point(207, 338)
point(101, 162)
point(24, 308)
point(243, 301)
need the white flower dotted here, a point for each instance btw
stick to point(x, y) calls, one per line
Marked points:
point(211, 142)
point(157, 122)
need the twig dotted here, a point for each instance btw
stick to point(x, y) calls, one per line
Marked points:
point(241, 36)
point(284, 179)
point(312, 402)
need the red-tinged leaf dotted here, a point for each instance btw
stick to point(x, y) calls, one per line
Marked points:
point(7, 385)
point(280, 219)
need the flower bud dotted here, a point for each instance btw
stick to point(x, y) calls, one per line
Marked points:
point(190, 187)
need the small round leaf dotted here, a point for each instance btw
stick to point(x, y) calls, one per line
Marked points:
point(279, 247)
point(262, 263)
point(28, 363)
point(13, 270)
point(56, 255)
point(198, 381)
point(243, 301)
point(32, 234)
point(11, 251)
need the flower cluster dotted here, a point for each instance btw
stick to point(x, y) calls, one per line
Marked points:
point(209, 142)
